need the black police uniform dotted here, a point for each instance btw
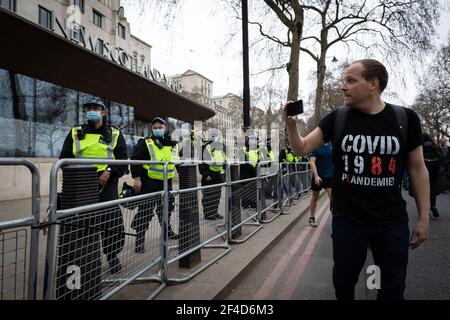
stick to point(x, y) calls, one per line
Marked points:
point(111, 223)
point(247, 171)
point(141, 221)
point(211, 197)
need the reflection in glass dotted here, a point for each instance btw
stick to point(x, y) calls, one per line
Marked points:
point(36, 116)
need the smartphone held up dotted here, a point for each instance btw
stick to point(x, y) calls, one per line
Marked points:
point(294, 108)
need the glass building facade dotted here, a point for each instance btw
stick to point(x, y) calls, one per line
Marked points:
point(36, 116)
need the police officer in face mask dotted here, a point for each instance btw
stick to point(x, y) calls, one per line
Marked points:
point(150, 178)
point(251, 156)
point(97, 139)
point(213, 150)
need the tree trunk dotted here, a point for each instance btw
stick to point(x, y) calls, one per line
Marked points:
point(293, 65)
point(293, 69)
point(318, 105)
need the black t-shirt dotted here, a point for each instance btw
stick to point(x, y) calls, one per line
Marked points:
point(369, 161)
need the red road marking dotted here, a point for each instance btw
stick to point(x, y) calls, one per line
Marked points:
point(272, 280)
point(297, 271)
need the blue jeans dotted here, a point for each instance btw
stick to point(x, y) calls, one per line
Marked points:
point(390, 248)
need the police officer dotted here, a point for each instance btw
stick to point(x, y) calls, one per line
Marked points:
point(302, 166)
point(286, 155)
point(251, 156)
point(213, 150)
point(97, 139)
point(267, 154)
point(150, 178)
point(287, 158)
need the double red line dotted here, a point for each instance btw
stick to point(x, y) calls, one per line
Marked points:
point(293, 279)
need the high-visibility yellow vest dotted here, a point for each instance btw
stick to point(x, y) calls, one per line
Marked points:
point(252, 156)
point(289, 156)
point(268, 155)
point(301, 159)
point(92, 146)
point(166, 153)
point(218, 156)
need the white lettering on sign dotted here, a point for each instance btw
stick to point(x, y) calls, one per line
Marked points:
point(74, 31)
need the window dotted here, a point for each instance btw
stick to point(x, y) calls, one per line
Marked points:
point(77, 32)
point(97, 18)
point(79, 4)
point(8, 4)
point(121, 31)
point(45, 17)
point(99, 47)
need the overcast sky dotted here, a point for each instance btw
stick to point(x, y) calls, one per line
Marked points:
point(198, 40)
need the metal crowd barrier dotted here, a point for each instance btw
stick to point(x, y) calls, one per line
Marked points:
point(295, 181)
point(269, 193)
point(107, 224)
point(196, 232)
point(18, 253)
point(81, 239)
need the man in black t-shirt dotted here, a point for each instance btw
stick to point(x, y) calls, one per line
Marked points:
point(369, 158)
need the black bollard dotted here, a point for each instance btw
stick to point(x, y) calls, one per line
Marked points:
point(79, 245)
point(235, 204)
point(189, 216)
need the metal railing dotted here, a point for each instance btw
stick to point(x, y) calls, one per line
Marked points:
point(16, 250)
point(139, 230)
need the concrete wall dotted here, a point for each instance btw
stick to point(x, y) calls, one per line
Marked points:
point(29, 9)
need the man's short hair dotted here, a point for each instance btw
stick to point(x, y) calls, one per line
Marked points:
point(374, 69)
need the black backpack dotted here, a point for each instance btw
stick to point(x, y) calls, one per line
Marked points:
point(342, 115)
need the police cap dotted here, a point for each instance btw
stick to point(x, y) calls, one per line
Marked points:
point(95, 102)
point(158, 119)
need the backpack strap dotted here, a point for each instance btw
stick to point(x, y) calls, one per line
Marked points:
point(402, 120)
point(342, 115)
point(339, 123)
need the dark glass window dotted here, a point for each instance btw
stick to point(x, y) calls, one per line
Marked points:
point(121, 30)
point(80, 4)
point(36, 116)
point(98, 19)
point(99, 47)
point(45, 17)
point(8, 4)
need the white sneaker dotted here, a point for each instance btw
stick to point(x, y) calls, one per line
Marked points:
point(312, 222)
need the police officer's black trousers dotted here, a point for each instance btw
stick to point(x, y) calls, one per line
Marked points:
point(211, 197)
point(111, 221)
point(248, 189)
point(141, 221)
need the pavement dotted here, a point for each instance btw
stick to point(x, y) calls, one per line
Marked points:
point(299, 267)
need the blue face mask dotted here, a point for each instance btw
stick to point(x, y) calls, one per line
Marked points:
point(93, 116)
point(159, 133)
